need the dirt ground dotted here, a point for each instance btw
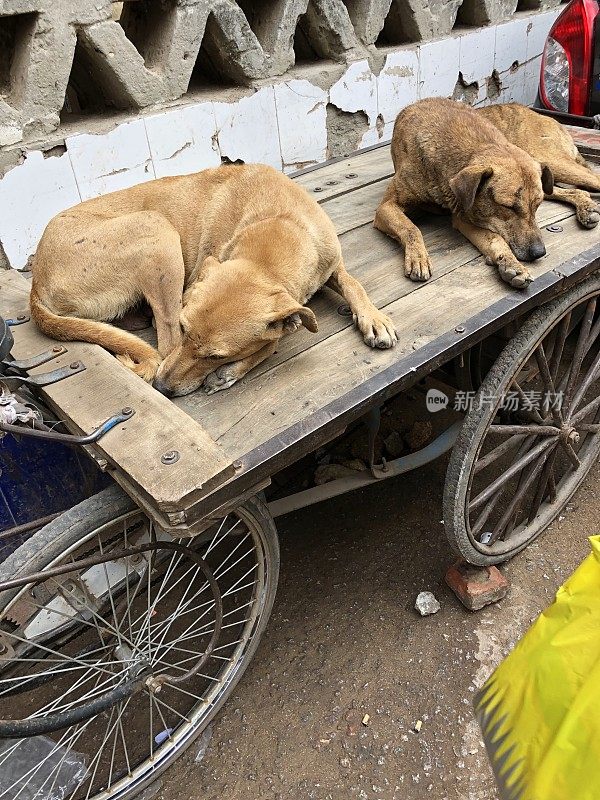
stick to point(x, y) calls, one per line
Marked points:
point(344, 641)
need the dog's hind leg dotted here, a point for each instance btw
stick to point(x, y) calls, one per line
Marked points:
point(377, 328)
point(575, 173)
point(496, 252)
point(391, 219)
point(162, 283)
point(588, 211)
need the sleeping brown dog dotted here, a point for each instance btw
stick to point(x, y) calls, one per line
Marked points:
point(447, 156)
point(226, 258)
point(547, 141)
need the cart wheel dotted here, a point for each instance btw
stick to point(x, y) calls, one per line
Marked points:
point(532, 432)
point(136, 651)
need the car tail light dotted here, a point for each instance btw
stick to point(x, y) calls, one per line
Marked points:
point(568, 57)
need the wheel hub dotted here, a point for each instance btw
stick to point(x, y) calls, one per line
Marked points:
point(136, 663)
point(568, 434)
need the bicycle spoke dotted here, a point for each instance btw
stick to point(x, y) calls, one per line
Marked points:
point(98, 756)
point(580, 351)
point(543, 483)
point(583, 412)
point(121, 708)
point(559, 345)
point(550, 389)
point(510, 472)
point(530, 430)
point(590, 377)
point(498, 452)
point(513, 507)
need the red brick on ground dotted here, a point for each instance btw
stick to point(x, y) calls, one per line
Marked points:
point(476, 587)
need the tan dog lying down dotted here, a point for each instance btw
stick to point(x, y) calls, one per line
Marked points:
point(448, 156)
point(226, 258)
point(546, 141)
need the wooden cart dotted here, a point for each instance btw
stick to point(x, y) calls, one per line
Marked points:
point(129, 619)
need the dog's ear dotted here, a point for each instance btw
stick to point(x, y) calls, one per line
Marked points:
point(467, 183)
point(547, 179)
point(288, 311)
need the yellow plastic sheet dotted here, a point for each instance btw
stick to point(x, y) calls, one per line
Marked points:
point(540, 710)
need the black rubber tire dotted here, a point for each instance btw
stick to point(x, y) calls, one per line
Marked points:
point(72, 526)
point(472, 434)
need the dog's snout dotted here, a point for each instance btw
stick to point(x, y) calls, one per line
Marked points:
point(529, 252)
point(536, 250)
point(162, 388)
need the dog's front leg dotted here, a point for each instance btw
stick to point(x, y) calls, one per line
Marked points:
point(228, 374)
point(587, 210)
point(391, 219)
point(377, 328)
point(496, 252)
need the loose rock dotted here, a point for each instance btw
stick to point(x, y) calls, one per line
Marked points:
point(426, 604)
point(419, 435)
point(394, 444)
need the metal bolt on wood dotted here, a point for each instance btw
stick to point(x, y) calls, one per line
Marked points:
point(170, 457)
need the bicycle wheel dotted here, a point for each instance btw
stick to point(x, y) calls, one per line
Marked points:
point(133, 640)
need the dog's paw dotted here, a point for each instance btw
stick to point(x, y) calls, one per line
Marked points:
point(146, 369)
point(588, 215)
point(513, 272)
point(417, 264)
point(221, 378)
point(292, 323)
point(377, 329)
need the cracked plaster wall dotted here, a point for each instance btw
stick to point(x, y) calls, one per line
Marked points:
point(98, 96)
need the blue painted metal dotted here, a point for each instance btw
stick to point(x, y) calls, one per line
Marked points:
point(41, 478)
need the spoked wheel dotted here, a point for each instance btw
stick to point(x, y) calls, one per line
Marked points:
point(532, 434)
point(122, 652)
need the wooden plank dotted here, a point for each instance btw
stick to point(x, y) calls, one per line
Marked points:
point(376, 260)
point(102, 390)
point(350, 211)
point(336, 179)
point(266, 405)
point(315, 382)
point(324, 423)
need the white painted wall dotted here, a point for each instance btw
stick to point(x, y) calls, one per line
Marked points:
point(282, 124)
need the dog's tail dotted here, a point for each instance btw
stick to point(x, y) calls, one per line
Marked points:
point(131, 351)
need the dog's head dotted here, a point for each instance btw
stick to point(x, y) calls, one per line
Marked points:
point(228, 314)
point(502, 193)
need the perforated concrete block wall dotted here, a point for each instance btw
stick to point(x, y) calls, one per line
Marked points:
point(98, 95)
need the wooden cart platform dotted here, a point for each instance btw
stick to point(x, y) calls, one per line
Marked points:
point(230, 443)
